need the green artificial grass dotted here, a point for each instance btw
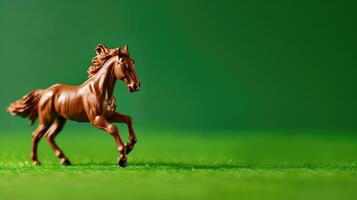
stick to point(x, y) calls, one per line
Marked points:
point(183, 164)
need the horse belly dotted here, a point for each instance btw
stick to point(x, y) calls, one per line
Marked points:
point(70, 106)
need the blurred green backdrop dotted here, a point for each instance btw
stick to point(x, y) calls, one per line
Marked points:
point(205, 65)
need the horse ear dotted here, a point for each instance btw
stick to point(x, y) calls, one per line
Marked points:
point(126, 48)
point(101, 49)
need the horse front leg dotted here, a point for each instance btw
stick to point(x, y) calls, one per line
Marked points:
point(121, 118)
point(101, 123)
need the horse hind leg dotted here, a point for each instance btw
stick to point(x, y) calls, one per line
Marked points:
point(50, 135)
point(36, 137)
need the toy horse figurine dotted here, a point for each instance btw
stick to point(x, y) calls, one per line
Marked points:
point(93, 102)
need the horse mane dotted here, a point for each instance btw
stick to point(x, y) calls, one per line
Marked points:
point(102, 55)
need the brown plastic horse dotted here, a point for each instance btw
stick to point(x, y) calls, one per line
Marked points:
point(93, 102)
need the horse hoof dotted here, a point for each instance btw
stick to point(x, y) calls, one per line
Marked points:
point(36, 163)
point(122, 163)
point(65, 162)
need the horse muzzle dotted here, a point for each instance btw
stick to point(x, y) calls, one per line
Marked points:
point(134, 87)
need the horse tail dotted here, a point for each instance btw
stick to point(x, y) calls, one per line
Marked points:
point(26, 106)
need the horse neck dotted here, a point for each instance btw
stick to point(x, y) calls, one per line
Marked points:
point(103, 82)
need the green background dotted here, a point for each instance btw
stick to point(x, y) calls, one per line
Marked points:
point(257, 96)
point(203, 65)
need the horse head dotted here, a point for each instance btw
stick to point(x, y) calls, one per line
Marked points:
point(124, 69)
